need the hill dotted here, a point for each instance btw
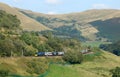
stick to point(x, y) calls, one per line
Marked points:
point(27, 23)
point(108, 28)
point(113, 48)
point(79, 24)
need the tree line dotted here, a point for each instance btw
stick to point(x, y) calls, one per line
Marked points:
point(113, 48)
point(16, 42)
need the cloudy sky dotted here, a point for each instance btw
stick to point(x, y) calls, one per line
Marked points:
point(63, 6)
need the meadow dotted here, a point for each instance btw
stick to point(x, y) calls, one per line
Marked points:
point(98, 67)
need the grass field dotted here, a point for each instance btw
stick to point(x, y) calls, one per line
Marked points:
point(57, 70)
point(94, 44)
point(99, 67)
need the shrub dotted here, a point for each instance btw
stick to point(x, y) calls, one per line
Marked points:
point(73, 57)
point(37, 66)
point(4, 73)
point(115, 72)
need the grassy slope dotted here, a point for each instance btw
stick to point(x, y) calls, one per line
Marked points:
point(26, 22)
point(98, 68)
point(14, 65)
point(18, 66)
point(108, 28)
point(94, 44)
point(62, 71)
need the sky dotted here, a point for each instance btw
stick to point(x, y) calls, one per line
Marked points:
point(62, 6)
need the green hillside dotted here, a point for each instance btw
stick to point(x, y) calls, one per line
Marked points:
point(99, 67)
point(108, 28)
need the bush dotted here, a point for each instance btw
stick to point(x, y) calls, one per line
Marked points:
point(37, 66)
point(4, 73)
point(115, 72)
point(73, 57)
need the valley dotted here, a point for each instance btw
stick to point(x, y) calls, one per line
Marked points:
point(30, 43)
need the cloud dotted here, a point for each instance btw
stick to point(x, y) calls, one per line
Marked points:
point(100, 6)
point(51, 13)
point(52, 1)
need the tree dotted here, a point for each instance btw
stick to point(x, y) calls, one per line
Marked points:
point(55, 45)
point(113, 48)
point(29, 51)
point(19, 46)
point(8, 21)
point(6, 47)
point(73, 57)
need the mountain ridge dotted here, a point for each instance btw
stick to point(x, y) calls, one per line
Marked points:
point(75, 23)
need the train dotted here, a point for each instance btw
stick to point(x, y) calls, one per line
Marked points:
point(60, 53)
point(50, 53)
